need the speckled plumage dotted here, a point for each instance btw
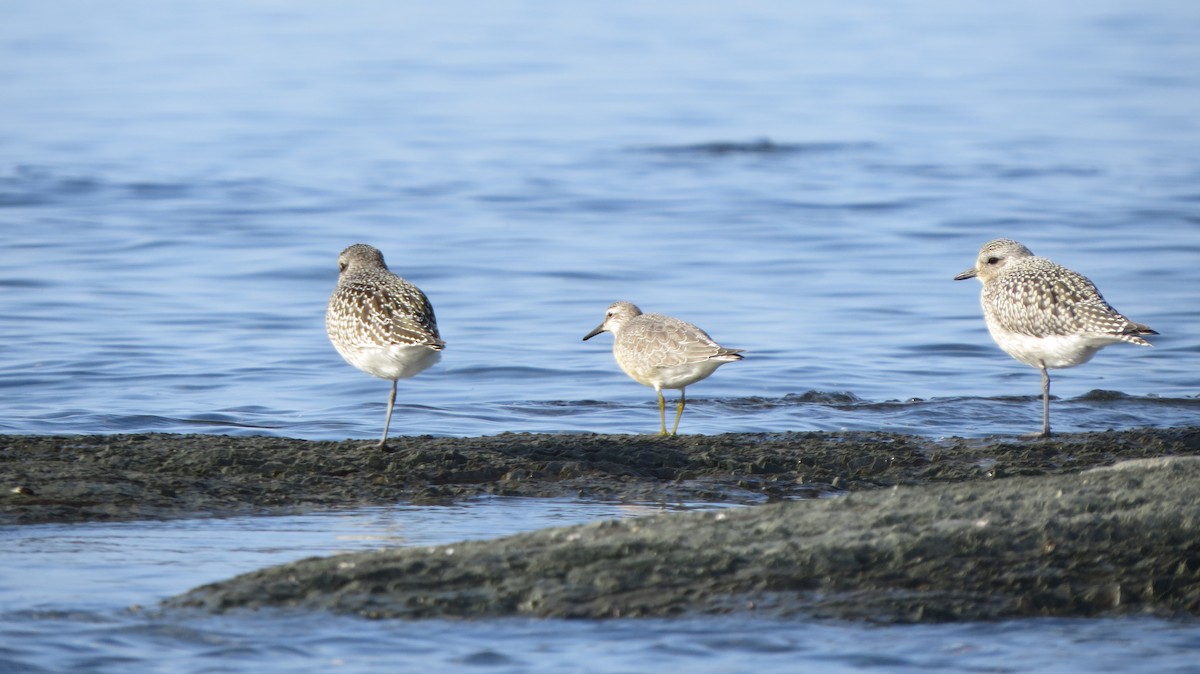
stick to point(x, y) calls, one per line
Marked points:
point(662, 352)
point(1044, 314)
point(380, 323)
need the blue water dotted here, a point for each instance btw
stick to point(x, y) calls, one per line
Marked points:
point(800, 179)
point(176, 181)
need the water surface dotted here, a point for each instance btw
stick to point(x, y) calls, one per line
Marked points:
point(801, 181)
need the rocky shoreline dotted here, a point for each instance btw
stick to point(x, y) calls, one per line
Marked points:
point(922, 530)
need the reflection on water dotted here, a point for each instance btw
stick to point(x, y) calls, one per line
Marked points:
point(106, 565)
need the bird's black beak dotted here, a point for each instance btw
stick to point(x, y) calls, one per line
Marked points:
point(599, 329)
point(970, 273)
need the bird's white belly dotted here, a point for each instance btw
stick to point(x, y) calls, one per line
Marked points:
point(673, 377)
point(396, 361)
point(1055, 351)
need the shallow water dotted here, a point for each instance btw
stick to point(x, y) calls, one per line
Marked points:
point(101, 565)
point(77, 616)
point(801, 181)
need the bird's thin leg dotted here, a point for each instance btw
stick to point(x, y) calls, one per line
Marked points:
point(678, 412)
point(662, 411)
point(1045, 401)
point(388, 422)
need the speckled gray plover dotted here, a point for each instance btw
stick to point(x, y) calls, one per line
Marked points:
point(380, 323)
point(1044, 314)
point(662, 352)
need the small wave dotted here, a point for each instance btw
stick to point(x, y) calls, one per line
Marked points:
point(35, 186)
point(1100, 395)
point(813, 410)
point(762, 146)
point(156, 191)
point(984, 170)
point(823, 397)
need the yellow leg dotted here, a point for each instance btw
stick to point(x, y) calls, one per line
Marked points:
point(678, 412)
point(662, 411)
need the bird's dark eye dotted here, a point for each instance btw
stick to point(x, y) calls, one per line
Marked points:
point(993, 260)
point(341, 266)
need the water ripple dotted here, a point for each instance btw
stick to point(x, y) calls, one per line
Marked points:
point(762, 146)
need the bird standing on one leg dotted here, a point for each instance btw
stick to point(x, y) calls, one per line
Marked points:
point(1044, 314)
point(380, 323)
point(662, 352)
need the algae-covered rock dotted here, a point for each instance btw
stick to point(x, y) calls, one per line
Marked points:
point(1124, 540)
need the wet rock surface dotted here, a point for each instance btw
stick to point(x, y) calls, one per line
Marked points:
point(922, 529)
point(123, 477)
point(1113, 541)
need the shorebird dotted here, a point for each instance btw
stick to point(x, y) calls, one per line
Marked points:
point(662, 352)
point(380, 323)
point(1044, 314)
